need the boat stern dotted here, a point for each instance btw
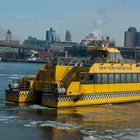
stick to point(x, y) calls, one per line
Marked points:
point(20, 91)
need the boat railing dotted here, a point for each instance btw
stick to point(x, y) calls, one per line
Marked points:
point(74, 60)
point(128, 61)
point(78, 61)
point(82, 61)
point(68, 61)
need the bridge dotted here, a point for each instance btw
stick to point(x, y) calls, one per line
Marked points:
point(11, 44)
point(8, 39)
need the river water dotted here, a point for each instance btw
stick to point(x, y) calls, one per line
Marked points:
point(35, 122)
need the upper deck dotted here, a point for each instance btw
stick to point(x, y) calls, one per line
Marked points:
point(97, 54)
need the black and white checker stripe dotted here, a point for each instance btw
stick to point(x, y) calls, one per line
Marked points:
point(65, 98)
point(19, 94)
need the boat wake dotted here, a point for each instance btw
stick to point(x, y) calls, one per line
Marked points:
point(88, 133)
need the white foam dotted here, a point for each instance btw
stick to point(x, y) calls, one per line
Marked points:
point(4, 102)
point(11, 75)
point(6, 119)
point(37, 107)
point(58, 125)
point(5, 122)
point(3, 119)
point(90, 138)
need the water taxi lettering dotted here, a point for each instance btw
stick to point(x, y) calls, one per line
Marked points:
point(115, 68)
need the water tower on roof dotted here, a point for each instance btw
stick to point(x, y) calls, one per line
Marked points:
point(8, 36)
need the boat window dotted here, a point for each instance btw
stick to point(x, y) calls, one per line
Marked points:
point(98, 78)
point(129, 78)
point(123, 78)
point(117, 78)
point(138, 77)
point(118, 56)
point(112, 56)
point(134, 78)
point(83, 76)
point(115, 56)
point(104, 78)
point(99, 54)
point(91, 77)
point(111, 78)
point(42, 75)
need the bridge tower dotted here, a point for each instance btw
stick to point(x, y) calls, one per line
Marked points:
point(8, 36)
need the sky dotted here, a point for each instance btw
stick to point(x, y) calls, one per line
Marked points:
point(81, 17)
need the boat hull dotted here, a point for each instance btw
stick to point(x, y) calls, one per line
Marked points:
point(89, 99)
point(20, 96)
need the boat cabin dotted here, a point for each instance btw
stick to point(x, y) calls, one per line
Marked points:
point(105, 53)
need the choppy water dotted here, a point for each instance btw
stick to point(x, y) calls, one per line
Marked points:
point(31, 121)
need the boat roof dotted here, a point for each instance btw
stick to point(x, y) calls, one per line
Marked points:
point(108, 49)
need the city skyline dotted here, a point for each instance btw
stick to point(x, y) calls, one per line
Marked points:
point(80, 17)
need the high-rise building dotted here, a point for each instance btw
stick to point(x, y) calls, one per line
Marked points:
point(51, 35)
point(68, 36)
point(132, 29)
point(130, 37)
point(137, 39)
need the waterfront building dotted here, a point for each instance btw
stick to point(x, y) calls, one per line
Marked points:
point(63, 48)
point(59, 46)
point(88, 39)
point(130, 53)
point(32, 41)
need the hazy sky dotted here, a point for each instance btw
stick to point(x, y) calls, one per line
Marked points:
point(81, 17)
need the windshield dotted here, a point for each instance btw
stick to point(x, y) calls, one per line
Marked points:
point(115, 56)
point(99, 54)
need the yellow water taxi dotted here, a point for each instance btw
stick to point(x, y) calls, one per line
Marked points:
point(103, 78)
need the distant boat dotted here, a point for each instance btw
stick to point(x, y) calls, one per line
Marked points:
point(34, 60)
